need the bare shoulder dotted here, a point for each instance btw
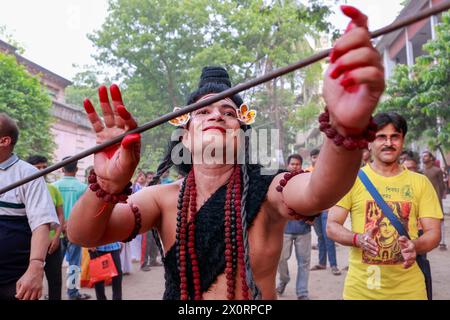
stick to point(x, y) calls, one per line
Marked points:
point(158, 193)
point(153, 201)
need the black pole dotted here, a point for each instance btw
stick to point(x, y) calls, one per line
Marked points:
point(227, 93)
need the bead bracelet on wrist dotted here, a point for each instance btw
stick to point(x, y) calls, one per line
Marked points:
point(350, 142)
point(108, 197)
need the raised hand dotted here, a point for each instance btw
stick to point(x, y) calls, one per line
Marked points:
point(115, 165)
point(354, 80)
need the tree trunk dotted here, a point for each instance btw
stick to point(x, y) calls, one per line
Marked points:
point(273, 103)
point(276, 110)
point(170, 84)
point(443, 157)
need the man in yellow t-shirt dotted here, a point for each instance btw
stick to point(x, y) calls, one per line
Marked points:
point(382, 264)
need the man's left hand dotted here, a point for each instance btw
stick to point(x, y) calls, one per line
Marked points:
point(408, 250)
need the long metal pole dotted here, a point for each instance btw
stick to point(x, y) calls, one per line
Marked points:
point(227, 93)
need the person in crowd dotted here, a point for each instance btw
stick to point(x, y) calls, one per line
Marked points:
point(114, 250)
point(71, 190)
point(436, 177)
point(221, 227)
point(382, 264)
point(297, 234)
point(27, 214)
point(53, 261)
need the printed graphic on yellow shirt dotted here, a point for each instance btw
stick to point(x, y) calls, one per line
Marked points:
point(389, 250)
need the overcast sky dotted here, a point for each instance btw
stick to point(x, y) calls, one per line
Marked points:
point(53, 32)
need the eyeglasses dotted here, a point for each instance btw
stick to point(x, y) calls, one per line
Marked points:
point(396, 138)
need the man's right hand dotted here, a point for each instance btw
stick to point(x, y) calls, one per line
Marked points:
point(29, 286)
point(367, 243)
point(54, 245)
point(115, 165)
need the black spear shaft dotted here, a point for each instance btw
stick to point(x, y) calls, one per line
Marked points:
point(227, 93)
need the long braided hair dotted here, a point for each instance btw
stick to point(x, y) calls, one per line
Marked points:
point(246, 184)
point(214, 80)
point(165, 165)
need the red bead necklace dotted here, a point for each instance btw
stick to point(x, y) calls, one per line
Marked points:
point(234, 240)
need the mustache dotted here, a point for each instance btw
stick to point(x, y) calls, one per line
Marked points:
point(389, 149)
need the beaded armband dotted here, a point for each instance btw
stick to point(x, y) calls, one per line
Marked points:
point(283, 182)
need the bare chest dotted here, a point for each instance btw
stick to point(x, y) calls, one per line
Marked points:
point(265, 241)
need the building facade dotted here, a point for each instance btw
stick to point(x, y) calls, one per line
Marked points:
point(71, 128)
point(405, 45)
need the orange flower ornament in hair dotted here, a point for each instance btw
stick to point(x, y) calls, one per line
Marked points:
point(246, 115)
point(181, 120)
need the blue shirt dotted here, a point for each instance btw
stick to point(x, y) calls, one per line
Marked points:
point(136, 187)
point(109, 247)
point(71, 190)
point(166, 180)
point(297, 227)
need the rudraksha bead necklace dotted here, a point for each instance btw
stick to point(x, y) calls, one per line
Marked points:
point(234, 239)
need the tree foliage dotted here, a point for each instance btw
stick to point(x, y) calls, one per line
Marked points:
point(25, 100)
point(160, 46)
point(85, 85)
point(5, 35)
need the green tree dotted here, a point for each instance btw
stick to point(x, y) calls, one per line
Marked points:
point(9, 38)
point(159, 48)
point(153, 40)
point(421, 93)
point(256, 37)
point(24, 99)
point(304, 118)
point(85, 85)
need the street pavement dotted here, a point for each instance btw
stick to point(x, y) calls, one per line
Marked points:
point(323, 285)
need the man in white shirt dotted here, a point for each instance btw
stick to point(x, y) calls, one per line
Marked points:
point(26, 215)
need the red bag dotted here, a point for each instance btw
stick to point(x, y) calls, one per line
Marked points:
point(102, 268)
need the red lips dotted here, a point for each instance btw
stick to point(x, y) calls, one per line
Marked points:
point(214, 127)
